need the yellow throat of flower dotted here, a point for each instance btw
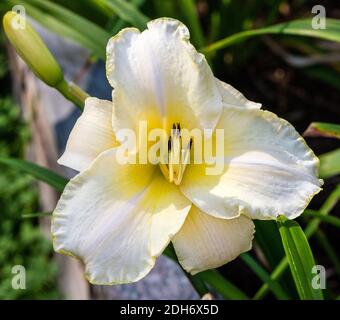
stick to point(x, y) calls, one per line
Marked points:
point(178, 156)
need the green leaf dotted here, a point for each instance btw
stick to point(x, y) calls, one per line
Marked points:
point(274, 285)
point(211, 277)
point(329, 250)
point(268, 238)
point(72, 19)
point(326, 208)
point(324, 218)
point(323, 129)
point(330, 164)
point(68, 24)
point(195, 280)
point(300, 258)
point(120, 24)
point(324, 74)
point(222, 285)
point(301, 27)
point(275, 275)
point(311, 228)
point(38, 172)
point(126, 11)
point(190, 13)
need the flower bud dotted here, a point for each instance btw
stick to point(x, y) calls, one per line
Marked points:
point(32, 49)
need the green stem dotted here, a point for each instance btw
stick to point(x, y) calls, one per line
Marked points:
point(311, 228)
point(73, 93)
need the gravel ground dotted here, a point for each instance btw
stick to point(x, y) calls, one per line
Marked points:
point(165, 281)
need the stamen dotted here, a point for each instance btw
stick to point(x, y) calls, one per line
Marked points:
point(185, 161)
point(178, 157)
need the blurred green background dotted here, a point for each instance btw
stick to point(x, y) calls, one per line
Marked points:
point(298, 78)
point(21, 241)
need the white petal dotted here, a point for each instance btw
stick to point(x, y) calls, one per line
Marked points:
point(268, 169)
point(117, 219)
point(206, 242)
point(234, 98)
point(160, 78)
point(91, 135)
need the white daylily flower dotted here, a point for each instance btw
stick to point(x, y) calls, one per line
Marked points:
point(119, 218)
